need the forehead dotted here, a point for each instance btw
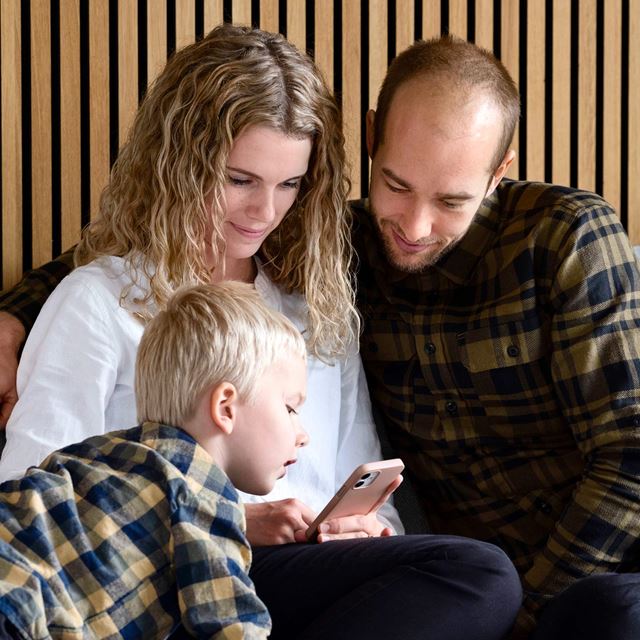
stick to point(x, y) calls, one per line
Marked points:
point(428, 125)
point(260, 149)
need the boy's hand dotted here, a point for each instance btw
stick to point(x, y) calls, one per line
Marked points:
point(12, 335)
point(279, 522)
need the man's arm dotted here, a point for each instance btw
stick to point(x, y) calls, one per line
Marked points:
point(19, 308)
point(595, 365)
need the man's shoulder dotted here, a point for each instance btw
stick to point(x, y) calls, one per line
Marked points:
point(514, 196)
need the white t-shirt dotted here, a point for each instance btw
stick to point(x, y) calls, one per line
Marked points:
point(76, 380)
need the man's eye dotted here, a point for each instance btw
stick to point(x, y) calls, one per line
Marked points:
point(395, 189)
point(452, 204)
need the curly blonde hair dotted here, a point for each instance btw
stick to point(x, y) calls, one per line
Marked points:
point(168, 180)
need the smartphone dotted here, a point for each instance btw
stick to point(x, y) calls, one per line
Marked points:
point(363, 491)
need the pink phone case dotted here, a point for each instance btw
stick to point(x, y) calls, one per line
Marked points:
point(362, 492)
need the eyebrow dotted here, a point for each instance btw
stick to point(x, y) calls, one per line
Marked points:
point(257, 177)
point(462, 195)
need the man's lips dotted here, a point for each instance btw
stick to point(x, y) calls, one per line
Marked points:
point(411, 247)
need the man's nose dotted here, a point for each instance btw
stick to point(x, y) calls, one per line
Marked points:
point(417, 222)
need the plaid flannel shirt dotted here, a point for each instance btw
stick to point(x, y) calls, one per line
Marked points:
point(26, 298)
point(124, 536)
point(508, 375)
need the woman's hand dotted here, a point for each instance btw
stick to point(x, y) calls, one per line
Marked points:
point(12, 335)
point(358, 526)
point(279, 522)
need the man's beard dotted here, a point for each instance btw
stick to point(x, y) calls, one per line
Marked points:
point(417, 266)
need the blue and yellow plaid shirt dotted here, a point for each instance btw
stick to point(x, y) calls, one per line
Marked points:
point(124, 536)
point(508, 375)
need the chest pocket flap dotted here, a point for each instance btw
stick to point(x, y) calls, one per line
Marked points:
point(508, 344)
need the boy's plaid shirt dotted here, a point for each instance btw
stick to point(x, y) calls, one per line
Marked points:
point(509, 379)
point(125, 535)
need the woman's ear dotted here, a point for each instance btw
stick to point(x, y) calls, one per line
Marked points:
point(223, 400)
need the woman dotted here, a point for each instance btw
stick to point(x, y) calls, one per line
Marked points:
point(234, 170)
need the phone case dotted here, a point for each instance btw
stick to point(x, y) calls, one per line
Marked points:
point(362, 492)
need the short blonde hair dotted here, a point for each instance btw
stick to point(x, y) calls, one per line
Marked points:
point(174, 162)
point(208, 334)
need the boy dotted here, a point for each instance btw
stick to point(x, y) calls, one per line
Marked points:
point(127, 534)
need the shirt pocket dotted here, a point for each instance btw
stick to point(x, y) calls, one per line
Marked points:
point(507, 367)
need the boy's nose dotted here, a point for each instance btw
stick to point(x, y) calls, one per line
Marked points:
point(302, 438)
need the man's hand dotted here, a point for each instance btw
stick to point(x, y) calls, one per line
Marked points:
point(12, 335)
point(357, 526)
point(277, 522)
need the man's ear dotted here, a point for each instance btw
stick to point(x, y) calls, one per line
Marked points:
point(503, 167)
point(370, 122)
point(223, 400)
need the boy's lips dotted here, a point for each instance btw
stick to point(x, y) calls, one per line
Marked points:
point(288, 462)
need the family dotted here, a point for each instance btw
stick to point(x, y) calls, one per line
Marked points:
point(230, 302)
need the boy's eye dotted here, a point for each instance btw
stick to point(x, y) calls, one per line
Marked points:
point(291, 410)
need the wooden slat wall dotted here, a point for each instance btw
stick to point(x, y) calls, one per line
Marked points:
point(72, 72)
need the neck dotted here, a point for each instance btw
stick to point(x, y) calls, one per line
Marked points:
point(241, 270)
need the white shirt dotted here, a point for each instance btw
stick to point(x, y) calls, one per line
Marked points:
point(76, 378)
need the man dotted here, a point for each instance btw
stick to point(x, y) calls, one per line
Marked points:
point(501, 340)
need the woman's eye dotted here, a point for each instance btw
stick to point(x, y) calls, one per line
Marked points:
point(291, 185)
point(239, 182)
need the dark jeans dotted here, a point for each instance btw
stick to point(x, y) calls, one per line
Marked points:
point(404, 587)
point(600, 607)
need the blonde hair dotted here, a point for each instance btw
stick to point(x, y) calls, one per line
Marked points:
point(154, 210)
point(208, 334)
point(459, 64)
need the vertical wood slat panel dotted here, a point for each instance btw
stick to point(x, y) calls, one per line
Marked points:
point(185, 22)
point(41, 154)
point(11, 118)
point(431, 16)
point(70, 157)
point(296, 24)
point(351, 100)
point(323, 36)
point(510, 57)
point(535, 89)
point(378, 49)
point(611, 108)
point(587, 95)
point(405, 24)
point(458, 18)
point(484, 24)
point(633, 165)
point(561, 92)
point(98, 99)
point(241, 12)
point(615, 176)
point(127, 66)
point(269, 15)
point(156, 38)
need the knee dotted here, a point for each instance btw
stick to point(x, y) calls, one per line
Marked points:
point(604, 606)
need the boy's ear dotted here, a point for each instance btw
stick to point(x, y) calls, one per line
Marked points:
point(223, 399)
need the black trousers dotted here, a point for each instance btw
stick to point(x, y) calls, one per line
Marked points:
point(404, 587)
point(600, 607)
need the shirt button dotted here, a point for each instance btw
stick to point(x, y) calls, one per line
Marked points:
point(513, 350)
point(543, 506)
point(451, 407)
point(430, 348)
